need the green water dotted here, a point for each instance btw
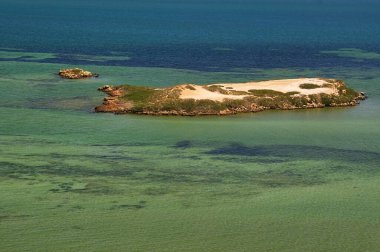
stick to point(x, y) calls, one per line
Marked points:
point(74, 180)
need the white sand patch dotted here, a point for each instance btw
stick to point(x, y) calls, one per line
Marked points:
point(287, 85)
point(200, 93)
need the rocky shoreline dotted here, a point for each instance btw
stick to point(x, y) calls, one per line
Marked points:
point(112, 103)
point(126, 99)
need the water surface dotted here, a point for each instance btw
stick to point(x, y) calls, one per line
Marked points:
point(71, 179)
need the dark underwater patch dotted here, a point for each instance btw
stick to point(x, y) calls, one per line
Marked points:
point(248, 159)
point(63, 187)
point(77, 227)
point(208, 172)
point(80, 156)
point(140, 205)
point(183, 144)
point(242, 56)
point(183, 177)
point(366, 78)
point(296, 152)
point(154, 191)
point(18, 170)
point(10, 217)
point(240, 150)
point(90, 188)
point(194, 157)
point(79, 103)
point(136, 144)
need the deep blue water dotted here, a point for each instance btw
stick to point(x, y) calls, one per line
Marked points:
point(203, 35)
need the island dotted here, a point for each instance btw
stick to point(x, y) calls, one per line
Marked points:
point(229, 98)
point(76, 73)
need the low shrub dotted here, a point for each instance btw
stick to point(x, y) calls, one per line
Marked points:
point(292, 93)
point(327, 85)
point(326, 100)
point(218, 88)
point(190, 87)
point(309, 86)
point(265, 92)
point(215, 88)
point(138, 94)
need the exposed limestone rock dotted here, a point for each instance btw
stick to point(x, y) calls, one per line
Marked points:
point(76, 73)
point(112, 103)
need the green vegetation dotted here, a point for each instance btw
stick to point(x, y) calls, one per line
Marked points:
point(139, 94)
point(326, 100)
point(265, 92)
point(346, 95)
point(76, 71)
point(216, 88)
point(190, 87)
point(328, 85)
point(270, 93)
point(292, 93)
point(152, 101)
point(309, 86)
point(227, 91)
point(190, 105)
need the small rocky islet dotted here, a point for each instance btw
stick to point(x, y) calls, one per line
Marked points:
point(76, 73)
point(228, 98)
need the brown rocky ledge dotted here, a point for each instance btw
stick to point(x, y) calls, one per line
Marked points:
point(76, 73)
point(229, 98)
point(113, 103)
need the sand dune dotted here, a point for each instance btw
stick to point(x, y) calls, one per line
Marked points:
point(288, 85)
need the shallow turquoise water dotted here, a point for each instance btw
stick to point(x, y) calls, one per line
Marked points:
point(39, 106)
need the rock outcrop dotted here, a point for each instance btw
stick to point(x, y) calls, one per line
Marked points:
point(113, 103)
point(76, 73)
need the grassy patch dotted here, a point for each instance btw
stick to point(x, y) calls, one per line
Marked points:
point(208, 105)
point(215, 88)
point(309, 86)
point(190, 87)
point(139, 205)
point(292, 93)
point(236, 92)
point(234, 104)
point(328, 85)
point(220, 89)
point(326, 100)
point(203, 106)
point(139, 94)
point(283, 101)
point(264, 92)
